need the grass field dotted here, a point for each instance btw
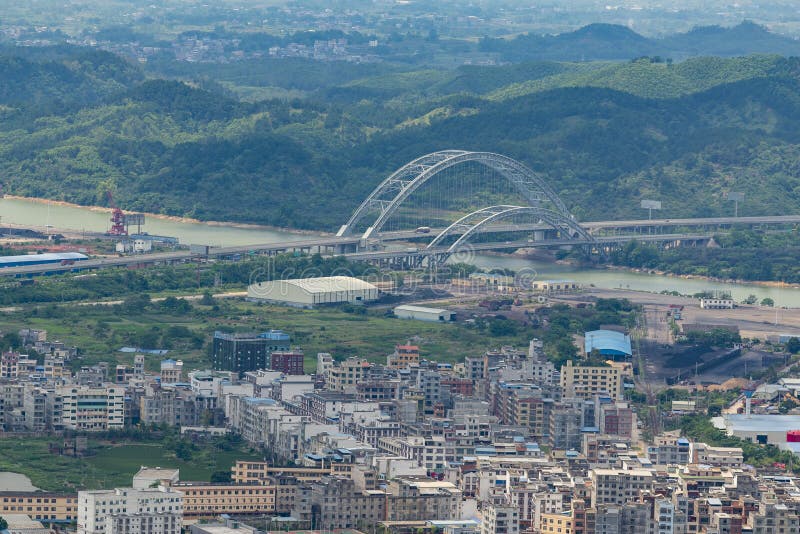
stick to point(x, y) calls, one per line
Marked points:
point(99, 331)
point(112, 465)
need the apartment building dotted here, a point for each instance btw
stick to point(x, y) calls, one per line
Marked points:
point(263, 473)
point(91, 409)
point(347, 375)
point(587, 382)
point(500, 519)
point(557, 523)
point(414, 498)
point(130, 511)
point(404, 356)
point(171, 371)
point(618, 486)
point(669, 450)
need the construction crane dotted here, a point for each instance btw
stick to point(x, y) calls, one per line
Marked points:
point(117, 218)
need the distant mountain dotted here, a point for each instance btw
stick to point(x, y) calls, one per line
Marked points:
point(590, 43)
point(746, 38)
point(48, 78)
point(613, 42)
point(604, 134)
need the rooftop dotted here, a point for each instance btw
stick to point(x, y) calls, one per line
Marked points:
point(49, 256)
point(607, 341)
point(329, 284)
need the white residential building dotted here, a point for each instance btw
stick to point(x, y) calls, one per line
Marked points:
point(92, 409)
point(130, 511)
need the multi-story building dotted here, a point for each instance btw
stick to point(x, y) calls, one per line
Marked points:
point(774, 517)
point(42, 506)
point(171, 371)
point(588, 382)
point(39, 406)
point(717, 456)
point(201, 500)
point(557, 523)
point(501, 518)
point(130, 511)
point(378, 390)
point(403, 357)
point(617, 420)
point(335, 503)
point(246, 352)
point(619, 486)
point(420, 498)
point(264, 473)
point(347, 375)
point(169, 405)
point(566, 421)
point(534, 413)
point(55, 368)
point(9, 364)
point(92, 409)
point(287, 362)
point(328, 406)
point(669, 449)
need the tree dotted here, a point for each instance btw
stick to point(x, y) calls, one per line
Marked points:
point(3, 524)
point(751, 299)
point(793, 345)
point(767, 302)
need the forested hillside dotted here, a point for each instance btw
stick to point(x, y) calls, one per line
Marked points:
point(74, 123)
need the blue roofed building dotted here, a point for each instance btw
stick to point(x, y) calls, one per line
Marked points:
point(42, 259)
point(608, 343)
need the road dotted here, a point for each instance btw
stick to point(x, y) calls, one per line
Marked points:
point(331, 243)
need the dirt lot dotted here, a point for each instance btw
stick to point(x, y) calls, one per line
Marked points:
point(662, 359)
point(753, 321)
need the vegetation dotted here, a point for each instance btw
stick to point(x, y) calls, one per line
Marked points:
point(740, 256)
point(699, 427)
point(74, 123)
point(112, 460)
point(117, 283)
point(564, 322)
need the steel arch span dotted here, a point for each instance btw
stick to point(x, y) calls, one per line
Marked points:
point(390, 194)
point(472, 224)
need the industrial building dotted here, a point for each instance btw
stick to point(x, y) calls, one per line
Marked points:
point(246, 352)
point(764, 429)
point(555, 286)
point(310, 292)
point(607, 343)
point(41, 259)
point(717, 303)
point(421, 313)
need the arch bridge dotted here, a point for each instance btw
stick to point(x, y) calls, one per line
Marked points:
point(540, 203)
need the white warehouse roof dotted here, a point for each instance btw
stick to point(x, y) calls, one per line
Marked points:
point(308, 292)
point(329, 284)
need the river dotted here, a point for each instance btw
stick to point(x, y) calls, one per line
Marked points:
point(31, 213)
point(78, 219)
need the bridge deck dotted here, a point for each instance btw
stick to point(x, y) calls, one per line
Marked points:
point(333, 241)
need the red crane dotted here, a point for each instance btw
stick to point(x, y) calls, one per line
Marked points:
point(117, 218)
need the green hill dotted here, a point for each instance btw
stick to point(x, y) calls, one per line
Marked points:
point(604, 134)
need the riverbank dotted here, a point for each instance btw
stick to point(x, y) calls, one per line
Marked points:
point(163, 217)
point(657, 272)
point(538, 256)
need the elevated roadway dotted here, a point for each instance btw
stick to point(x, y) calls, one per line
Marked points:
point(343, 245)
